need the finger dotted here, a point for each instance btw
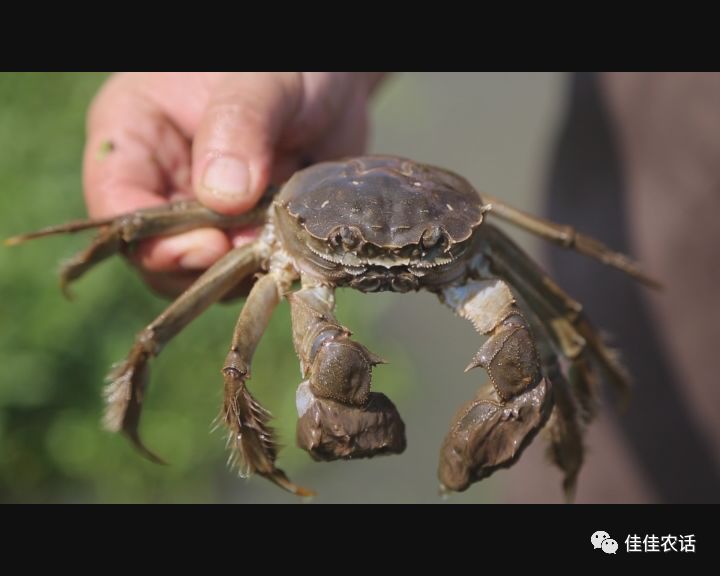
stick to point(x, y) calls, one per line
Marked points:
point(233, 150)
point(169, 284)
point(348, 133)
point(134, 155)
point(242, 236)
point(136, 158)
point(172, 284)
point(194, 250)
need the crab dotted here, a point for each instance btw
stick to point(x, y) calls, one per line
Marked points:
point(378, 223)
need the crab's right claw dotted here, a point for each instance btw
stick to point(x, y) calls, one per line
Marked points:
point(331, 430)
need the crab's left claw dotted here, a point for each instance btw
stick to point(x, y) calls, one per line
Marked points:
point(486, 435)
point(493, 429)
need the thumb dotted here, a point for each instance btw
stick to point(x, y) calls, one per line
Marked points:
point(233, 149)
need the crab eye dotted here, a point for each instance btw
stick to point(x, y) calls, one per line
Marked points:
point(335, 240)
point(350, 236)
point(347, 237)
point(433, 236)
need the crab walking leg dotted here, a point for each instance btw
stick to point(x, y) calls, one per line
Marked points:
point(105, 244)
point(125, 390)
point(557, 316)
point(571, 344)
point(339, 418)
point(491, 431)
point(251, 440)
point(565, 426)
point(117, 234)
point(563, 318)
point(568, 237)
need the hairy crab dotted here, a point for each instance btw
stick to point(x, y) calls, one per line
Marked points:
point(379, 223)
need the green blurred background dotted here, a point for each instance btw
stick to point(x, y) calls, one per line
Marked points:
point(54, 354)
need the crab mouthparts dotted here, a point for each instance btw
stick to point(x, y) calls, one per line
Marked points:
point(381, 279)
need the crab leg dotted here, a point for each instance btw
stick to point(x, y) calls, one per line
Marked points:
point(490, 431)
point(251, 440)
point(565, 425)
point(568, 237)
point(557, 315)
point(339, 416)
point(118, 234)
point(562, 316)
point(125, 390)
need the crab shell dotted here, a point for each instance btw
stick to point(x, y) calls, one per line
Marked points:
point(378, 223)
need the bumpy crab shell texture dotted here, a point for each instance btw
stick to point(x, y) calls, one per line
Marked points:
point(355, 193)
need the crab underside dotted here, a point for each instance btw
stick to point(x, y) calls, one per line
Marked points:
point(379, 223)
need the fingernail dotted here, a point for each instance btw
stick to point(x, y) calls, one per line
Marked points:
point(226, 177)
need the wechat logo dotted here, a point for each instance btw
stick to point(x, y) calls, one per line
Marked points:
point(603, 541)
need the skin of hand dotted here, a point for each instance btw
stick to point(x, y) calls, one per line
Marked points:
point(220, 137)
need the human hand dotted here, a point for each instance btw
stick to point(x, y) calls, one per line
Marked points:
point(220, 137)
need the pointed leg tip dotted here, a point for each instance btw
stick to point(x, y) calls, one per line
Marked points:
point(65, 289)
point(13, 241)
point(306, 493)
point(279, 478)
point(155, 459)
point(144, 450)
point(569, 490)
point(650, 282)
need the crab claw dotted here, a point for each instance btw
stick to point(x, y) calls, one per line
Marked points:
point(329, 430)
point(486, 435)
point(341, 370)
